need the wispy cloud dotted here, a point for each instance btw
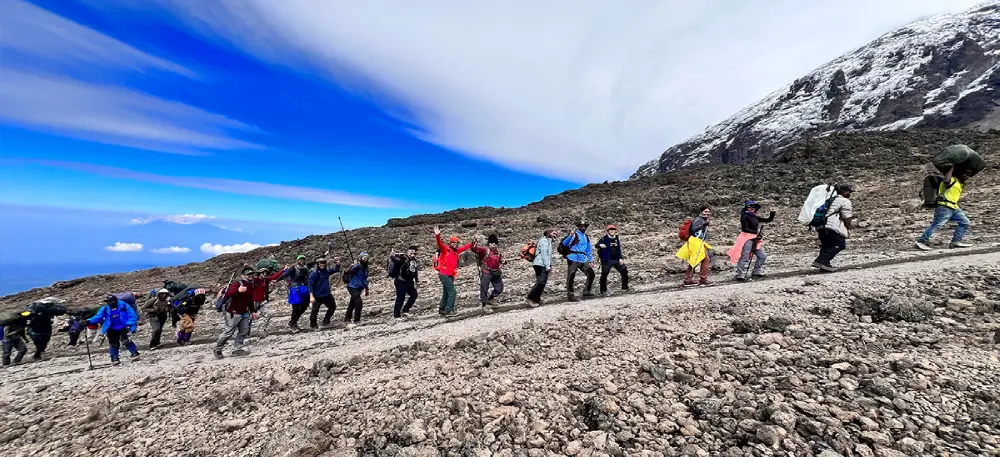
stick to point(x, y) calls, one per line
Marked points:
point(232, 186)
point(181, 219)
point(216, 249)
point(585, 90)
point(55, 80)
point(171, 250)
point(124, 247)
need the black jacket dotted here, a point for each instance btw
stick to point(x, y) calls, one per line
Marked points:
point(40, 324)
point(612, 249)
point(409, 270)
point(750, 222)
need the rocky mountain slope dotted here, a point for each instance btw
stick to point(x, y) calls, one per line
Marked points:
point(886, 168)
point(941, 72)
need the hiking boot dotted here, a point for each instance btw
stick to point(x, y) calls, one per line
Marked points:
point(450, 315)
point(531, 303)
point(240, 353)
point(924, 246)
point(406, 314)
point(705, 282)
point(817, 265)
point(395, 320)
point(135, 357)
point(115, 363)
point(295, 329)
point(218, 354)
point(313, 327)
point(827, 268)
point(959, 245)
point(493, 303)
point(758, 276)
point(348, 326)
point(487, 309)
point(625, 288)
point(588, 294)
point(153, 348)
point(572, 298)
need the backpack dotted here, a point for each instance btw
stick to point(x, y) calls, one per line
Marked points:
point(346, 275)
point(931, 190)
point(394, 267)
point(50, 306)
point(565, 250)
point(270, 264)
point(129, 297)
point(174, 287)
point(221, 302)
point(685, 232)
point(528, 252)
point(817, 196)
point(820, 216)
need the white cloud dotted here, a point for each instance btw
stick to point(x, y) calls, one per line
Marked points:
point(40, 49)
point(181, 219)
point(171, 250)
point(216, 249)
point(586, 90)
point(124, 247)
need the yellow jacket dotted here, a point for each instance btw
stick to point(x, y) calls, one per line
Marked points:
point(694, 251)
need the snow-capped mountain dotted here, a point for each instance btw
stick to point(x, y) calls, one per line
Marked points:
point(941, 72)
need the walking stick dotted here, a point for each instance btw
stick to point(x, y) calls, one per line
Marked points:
point(89, 360)
point(346, 240)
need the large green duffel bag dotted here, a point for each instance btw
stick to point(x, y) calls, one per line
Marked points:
point(962, 156)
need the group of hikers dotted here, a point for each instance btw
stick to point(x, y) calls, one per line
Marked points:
point(245, 301)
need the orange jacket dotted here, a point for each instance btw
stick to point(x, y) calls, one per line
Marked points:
point(447, 263)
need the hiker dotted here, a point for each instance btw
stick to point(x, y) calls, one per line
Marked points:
point(947, 209)
point(579, 256)
point(446, 264)
point(156, 309)
point(609, 249)
point(261, 297)
point(358, 283)
point(73, 328)
point(186, 306)
point(490, 260)
point(406, 268)
point(320, 293)
point(14, 337)
point(833, 235)
point(542, 264)
point(117, 320)
point(695, 250)
point(298, 290)
point(239, 311)
point(40, 329)
point(749, 242)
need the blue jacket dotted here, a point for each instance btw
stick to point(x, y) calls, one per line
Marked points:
point(117, 319)
point(359, 277)
point(319, 281)
point(582, 251)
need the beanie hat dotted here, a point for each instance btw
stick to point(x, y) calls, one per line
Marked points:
point(454, 239)
point(492, 239)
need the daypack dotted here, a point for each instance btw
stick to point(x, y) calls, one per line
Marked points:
point(270, 264)
point(685, 231)
point(129, 297)
point(346, 275)
point(565, 250)
point(49, 306)
point(528, 251)
point(931, 190)
point(221, 302)
point(818, 195)
point(394, 267)
point(820, 216)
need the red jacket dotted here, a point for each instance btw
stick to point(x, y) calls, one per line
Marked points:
point(490, 259)
point(448, 259)
point(261, 285)
point(240, 303)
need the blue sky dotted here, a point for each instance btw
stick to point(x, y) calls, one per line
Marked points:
point(175, 124)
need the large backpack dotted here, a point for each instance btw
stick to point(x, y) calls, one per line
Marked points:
point(820, 217)
point(129, 297)
point(393, 267)
point(270, 264)
point(565, 249)
point(49, 306)
point(818, 195)
point(685, 231)
point(931, 190)
point(528, 251)
point(174, 287)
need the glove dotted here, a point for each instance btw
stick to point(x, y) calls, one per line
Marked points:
point(132, 329)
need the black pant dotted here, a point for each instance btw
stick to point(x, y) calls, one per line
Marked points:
point(404, 288)
point(41, 342)
point(571, 275)
point(73, 338)
point(541, 279)
point(297, 312)
point(156, 323)
point(831, 243)
point(606, 268)
point(354, 306)
point(331, 306)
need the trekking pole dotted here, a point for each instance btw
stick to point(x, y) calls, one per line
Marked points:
point(89, 360)
point(346, 240)
point(753, 249)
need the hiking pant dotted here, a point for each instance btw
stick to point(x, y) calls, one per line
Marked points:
point(9, 344)
point(354, 305)
point(115, 340)
point(404, 288)
point(541, 279)
point(486, 279)
point(297, 312)
point(831, 243)
point(331, 306)
point(702, 273)
point(41, 342)
point(741, 266)
point(448, 295)
point(156, 323)
point(264, 314)
point(606, 269)
point(236, 324)
point(571, 274)
point(944, 215)
point(74, 337)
